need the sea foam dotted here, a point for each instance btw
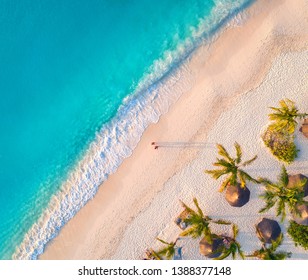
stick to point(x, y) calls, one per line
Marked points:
point(168, 78)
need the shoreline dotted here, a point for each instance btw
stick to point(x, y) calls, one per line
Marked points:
point(130, 191)
point(152, 98)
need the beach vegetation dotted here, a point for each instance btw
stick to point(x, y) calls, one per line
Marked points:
point(279, 135)
point(281, 144)
point(269, 252)
point(168, 250)
point(299, 234)
point(231, 167)
point(284, 118)
point(278, 193)
point(231, 246)
point(199, 223)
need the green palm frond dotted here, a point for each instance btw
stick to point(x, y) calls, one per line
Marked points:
point(281, 209)
point(168, 251)
point(280, 195)
point(276, 243)
point(284, 118)
point(187, 208)
point(270, 201)
point(282, 256)
point(198, 207)
point(225, 183)
point(264, 181)
point(285, 125)
point(233, 250)
point(235, 231)
point(216, 174)
point(199, 223)
point(231, 245)
point(224, 255)
point(269, 252)
point(239, 153)
point(162, 241)
point(223, 152)
point(221, 222)
point(233, 178)
point(302, 182)
point(196, 231)
point(241, 180)
point(233, 253)
point(284, 177)
point(230, 167)
point(286, 103)
point(189, 232)
point(265, 208)
point(248, 162)
point(221, 162)
point(287, 106)
point(247, 177)
point(240, 252)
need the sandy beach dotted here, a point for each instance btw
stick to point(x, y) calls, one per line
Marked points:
point(260, 58)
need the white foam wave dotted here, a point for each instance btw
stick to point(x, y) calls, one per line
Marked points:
point(117, 139)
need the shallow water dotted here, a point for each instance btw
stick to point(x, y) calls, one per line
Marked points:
point(66, 69)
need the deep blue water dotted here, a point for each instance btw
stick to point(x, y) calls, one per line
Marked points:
point(65, 68)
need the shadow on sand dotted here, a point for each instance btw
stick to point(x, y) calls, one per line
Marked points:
point(198, 145)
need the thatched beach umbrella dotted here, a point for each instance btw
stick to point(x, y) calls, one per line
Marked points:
point(295, 180)
point(237, 196)
point(304, 128)
point(211, 250)
point(268, 230)
point(302, 217)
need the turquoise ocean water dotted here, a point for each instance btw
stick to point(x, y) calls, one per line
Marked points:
point(79, 83)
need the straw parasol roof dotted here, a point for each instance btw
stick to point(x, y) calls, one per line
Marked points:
point(268, 230)
point(237, 196)
point(304, 128)
point(211, 250)
point(302, 218)
point(297, 179)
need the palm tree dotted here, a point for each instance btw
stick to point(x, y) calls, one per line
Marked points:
point(168, 251)
point(199, 223)
point(269, 253)
point(231, 246)
point(231, 167)
point(284, 118)
point(280, 195)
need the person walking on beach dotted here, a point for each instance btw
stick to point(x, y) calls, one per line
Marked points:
point(156, 146)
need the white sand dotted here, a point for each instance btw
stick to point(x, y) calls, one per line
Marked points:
point(232, 125)
point(248, 68)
